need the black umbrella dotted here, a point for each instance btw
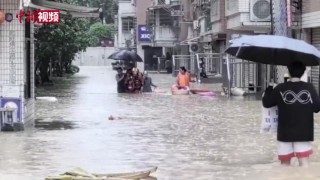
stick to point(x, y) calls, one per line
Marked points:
point(275, 50)
point(125, 55)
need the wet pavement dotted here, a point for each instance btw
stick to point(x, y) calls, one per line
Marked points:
point(187, 137)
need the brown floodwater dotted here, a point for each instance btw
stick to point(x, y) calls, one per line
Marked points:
point(187, 137)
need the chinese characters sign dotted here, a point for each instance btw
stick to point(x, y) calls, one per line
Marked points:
point(40, 16)
point(144, 33)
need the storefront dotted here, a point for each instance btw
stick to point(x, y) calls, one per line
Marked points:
point(315, 72)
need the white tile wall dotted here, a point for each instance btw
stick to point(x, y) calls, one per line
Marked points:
point(12, 53)
point(11, 46)
point(241, 16)
point(244, 6)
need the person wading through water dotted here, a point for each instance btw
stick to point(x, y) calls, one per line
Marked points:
point(120, 78)
point(297, 102)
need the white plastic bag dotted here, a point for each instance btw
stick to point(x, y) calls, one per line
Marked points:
point(269, 122)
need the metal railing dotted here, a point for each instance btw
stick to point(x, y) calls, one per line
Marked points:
point(243, 74)
point(188, 61)
point(211, 63)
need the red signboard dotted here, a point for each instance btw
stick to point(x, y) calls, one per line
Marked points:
point(40, 16)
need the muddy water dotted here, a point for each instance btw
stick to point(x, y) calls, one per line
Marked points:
point(187, 137)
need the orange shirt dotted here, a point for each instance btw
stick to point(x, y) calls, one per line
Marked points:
point(184, 79)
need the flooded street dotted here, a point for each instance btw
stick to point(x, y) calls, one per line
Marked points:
point(187, 137)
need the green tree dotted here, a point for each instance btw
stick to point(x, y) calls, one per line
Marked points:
point(58, 43)
point(98, 32)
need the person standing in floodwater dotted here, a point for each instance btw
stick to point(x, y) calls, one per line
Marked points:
point(147, 83)
point(120, 78)
point(297, 102)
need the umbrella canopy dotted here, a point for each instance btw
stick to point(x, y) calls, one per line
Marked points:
point(126, 55)
point(276, 50)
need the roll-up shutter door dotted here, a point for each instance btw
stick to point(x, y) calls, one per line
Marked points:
point(315, 40)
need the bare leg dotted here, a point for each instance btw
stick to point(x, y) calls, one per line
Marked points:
point(285, 162)
point(303, 162)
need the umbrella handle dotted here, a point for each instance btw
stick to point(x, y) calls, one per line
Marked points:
point(239, 50)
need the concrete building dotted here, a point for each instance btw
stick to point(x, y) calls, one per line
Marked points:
point(126, 23)
point(144, 36)
point(311, 32)
point(17, 53)
point(164, 21)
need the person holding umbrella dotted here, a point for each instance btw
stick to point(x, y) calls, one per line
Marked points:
point(297, 101)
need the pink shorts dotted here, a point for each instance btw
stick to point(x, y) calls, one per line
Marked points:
point(288, 150)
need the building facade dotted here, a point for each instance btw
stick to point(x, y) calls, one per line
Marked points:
point(17, 53)
point(311, 32)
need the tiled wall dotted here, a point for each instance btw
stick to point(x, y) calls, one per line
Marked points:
point(12, 55)
point(11, 46)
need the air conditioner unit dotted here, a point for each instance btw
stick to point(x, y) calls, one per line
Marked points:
point(260, 10)
point(194, 48)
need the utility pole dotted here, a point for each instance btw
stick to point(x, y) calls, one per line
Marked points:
point(279, 23)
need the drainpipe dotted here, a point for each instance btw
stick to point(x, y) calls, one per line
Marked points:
point(222, 16)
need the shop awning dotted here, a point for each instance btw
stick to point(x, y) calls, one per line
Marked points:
point(75, 11)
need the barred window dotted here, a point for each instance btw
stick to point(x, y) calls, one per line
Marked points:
point(127, 24)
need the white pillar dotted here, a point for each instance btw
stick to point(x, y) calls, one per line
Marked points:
point(140, 52)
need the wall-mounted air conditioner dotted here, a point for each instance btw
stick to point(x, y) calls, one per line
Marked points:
point(260, 10)
point(195, 48)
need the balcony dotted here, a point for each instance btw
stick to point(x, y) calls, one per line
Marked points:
point(164, 36)
point(164, 24)
point(126, 8)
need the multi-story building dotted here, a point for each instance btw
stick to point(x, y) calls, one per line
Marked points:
point(17, 52)
point(145, 49)
point(125, 23)
point(163, 21)
point(311, 31)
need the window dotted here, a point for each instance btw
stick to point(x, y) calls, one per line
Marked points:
point(165, 18)
point(127, 24)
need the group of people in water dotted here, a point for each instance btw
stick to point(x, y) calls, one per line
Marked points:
point(133, 81)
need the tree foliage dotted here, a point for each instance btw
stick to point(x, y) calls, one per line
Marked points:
point(59, 43)
point(100, 32)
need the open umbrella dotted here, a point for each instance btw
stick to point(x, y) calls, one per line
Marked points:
point(276, 50)
point(125, 55)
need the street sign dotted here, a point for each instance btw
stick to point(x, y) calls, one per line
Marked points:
point(177, 13)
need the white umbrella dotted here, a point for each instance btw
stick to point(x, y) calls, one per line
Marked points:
point(271, 49)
